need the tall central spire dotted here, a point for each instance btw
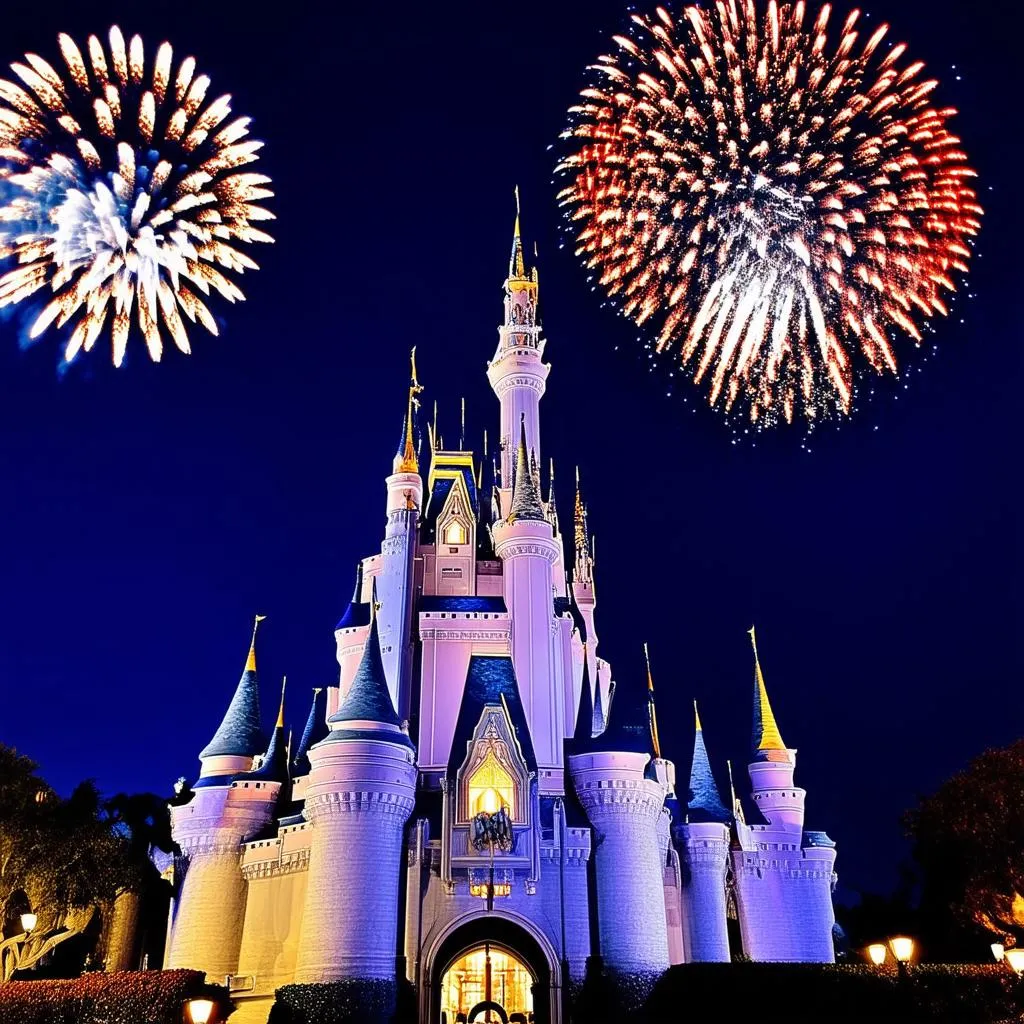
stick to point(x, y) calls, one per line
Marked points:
point(406, 460)
point(516, 263)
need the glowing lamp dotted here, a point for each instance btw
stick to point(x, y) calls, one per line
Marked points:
point(902, 948)
point(998, 951)
point(29, 921)
point(1015, 958)
point(876, 953)
point(200, 1011)
point(491, 803)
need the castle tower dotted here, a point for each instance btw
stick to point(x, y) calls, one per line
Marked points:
point(228, 805)
point(525, 543)
point(358, 796)
point(583, 580)
point(624, 803)
point(518, 373)
point(783, 875)
point(702, 839)
point(398, 552)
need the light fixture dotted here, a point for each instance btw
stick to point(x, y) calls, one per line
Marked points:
point(876, 952)
point(29, 921)
point(998, 951)
point(1015, 958)
point(200, 1011)
point(902, 948)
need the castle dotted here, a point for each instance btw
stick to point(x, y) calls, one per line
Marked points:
point(476, 805)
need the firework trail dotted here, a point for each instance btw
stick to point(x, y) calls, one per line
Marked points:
point(122, 195)
point(779, 208)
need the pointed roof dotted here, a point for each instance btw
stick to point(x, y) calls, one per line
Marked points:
point(600, 721)
point(406, 460)
point(274, 766)
point(240, 734)
point(526, 503)
point(626, 722)
point(766, 736)
point(583, 734)
point(704, 802)
point(358, 612)
point(579, 622)
point(315, 730)
point(651, 711)
point(516, 263)
point(552, 507)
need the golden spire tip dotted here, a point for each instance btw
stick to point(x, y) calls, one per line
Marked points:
point(280, 712)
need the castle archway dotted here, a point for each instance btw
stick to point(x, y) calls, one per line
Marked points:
point(489, 962)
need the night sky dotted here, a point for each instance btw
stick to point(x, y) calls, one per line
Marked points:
point(149, 512)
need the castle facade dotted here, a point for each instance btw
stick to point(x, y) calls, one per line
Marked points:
point(476, 806)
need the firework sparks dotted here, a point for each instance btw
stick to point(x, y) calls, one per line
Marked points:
point(122, 194)
point(782, 211)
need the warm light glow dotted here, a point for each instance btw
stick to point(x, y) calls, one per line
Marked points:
point(491, 787)
point(902, 948)
point(455, 533)
point(1015, 958)
point(998, 951)
point(479, 889)
point(464, 984)
point(877, 952)
point(200, 1011)
point(29, 921)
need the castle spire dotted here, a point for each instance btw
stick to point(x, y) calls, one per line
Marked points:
point(240, 733)
point(584, 555)
point(516, 263)
point(651, 712)
point(526, 503)
point(704, 802)
point(280, 710)
point(600, 718)
point(315, 730)
point(552, 507)
point(406, 460)
point(584, 731)
point(766, 731)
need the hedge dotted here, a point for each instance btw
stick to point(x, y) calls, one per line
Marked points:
point(769, 992)
point(368, 1001)
point(131, 997)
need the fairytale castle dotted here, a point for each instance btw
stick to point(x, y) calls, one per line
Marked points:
point(476, 806)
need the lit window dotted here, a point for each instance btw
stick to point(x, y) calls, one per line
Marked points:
point(491, 787)
point(455, 533)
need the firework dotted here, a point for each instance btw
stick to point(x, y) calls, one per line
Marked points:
point(122, 195)
point(781, 210)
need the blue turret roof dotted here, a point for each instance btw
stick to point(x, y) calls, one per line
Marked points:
point(599, 718)
point(704, 802)
point(358, 612)
point(490, 680)
point(526, 503)
point(315, 730)
point(578, 621)
point(368, 699)
point(583, 734)
point(274, 766)
point(240, 734)
point(627, 727)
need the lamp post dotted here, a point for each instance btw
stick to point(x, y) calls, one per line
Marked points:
point(1015, 958)
point(200, 1011)
point(903, 949)
point(876, 953)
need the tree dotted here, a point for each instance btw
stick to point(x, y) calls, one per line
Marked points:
point(969, 844)
point(65, 859)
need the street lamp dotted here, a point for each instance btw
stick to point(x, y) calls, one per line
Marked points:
point(200, 1011)
point(998, 951)
point(1015, 958)
point(28, 922)
point(902, 948)
point(876, 953)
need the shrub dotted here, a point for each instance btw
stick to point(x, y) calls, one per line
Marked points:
point(769, 992)
point(132, 997)
point(367, 1001)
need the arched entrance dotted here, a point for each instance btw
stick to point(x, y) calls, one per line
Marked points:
point(519, 974)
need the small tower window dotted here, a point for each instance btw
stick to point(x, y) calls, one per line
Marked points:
point(455, 533)
point(491, 787)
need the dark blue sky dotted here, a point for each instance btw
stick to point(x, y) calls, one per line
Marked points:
point(149, 512)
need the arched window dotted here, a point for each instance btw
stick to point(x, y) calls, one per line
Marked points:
point(491, 787)
point(455, 533)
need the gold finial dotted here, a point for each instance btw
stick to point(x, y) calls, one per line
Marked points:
point(280, 712)
point(516, 232)
point(374, 603)
point(409, 463)
point(770, 738)
point(696, 718)
point(651, 712)
point(250, 662)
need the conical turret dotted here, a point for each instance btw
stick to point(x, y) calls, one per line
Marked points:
point(584, 732)
point(766, 736)
point(358, 611)
point(240, 734)
point(704, 802)
point(274, 766)
point(526, 503)
point(314, 731)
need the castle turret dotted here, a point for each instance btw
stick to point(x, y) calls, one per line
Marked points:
point(358, 797)
point(518, 373)
point(525, 544)
point(783, 876)
point(228, 806)
point(624, 803)
point(398, 553)
point(583, 581)
point(702, 838)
